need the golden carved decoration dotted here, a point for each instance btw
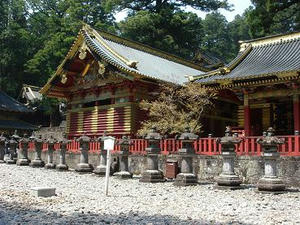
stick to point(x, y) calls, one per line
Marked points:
point(82, 51)
point(101, 69)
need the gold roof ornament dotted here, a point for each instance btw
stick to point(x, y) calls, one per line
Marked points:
point(82, 51)
point(101, 69)
point(132, 63)
point(64, 78)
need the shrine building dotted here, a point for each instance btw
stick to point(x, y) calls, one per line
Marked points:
point(104, 77)
point(264, 79)
point(11, 115)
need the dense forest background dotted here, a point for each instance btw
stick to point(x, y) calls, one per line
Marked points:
point(35, 35)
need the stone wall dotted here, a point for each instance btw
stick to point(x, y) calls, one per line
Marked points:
point(205, 167)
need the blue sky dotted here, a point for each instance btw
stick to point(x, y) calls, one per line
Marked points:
point(239, 7)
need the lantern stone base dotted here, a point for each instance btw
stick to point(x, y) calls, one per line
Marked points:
point(228, 180)
point(185, 179)
point(123, 175)
point(152, 176)
point(62, 167)
point(84, 168)
point(11, 161)
point(23, 162)
point(100, 171)
point(37, 163)
point(50, 166)
point(271, 184)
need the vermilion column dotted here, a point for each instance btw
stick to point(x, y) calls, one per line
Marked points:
point(247, 124)
point(296, 110)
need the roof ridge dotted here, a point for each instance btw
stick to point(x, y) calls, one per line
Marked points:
point(271, 40)
point(270, 36)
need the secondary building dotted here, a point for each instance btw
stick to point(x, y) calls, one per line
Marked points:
point(11, 113)
point(264, 77)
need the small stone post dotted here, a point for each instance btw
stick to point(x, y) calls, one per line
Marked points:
point(50, 141)
point(62, 156)
point(17, 138)
point(186, 176)
point(101, 169)
point(152, 174)
point(38, 145)
point(270, 181)
point(12, 143)
point(228, 178)
point(23, 151)
point(83, 166)
point(2, 147)
point(123, 156)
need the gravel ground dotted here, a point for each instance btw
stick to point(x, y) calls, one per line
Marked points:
point(80, 200)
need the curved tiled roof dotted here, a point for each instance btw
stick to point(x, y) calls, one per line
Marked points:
point(262, 60)
point(9, 104)
point(148, 65)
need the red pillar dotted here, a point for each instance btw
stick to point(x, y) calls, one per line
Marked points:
point(247, 122)
point(296, 110)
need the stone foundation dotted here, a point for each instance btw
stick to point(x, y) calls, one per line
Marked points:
point(206, 168)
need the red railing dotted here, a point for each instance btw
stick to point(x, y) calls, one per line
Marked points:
point(203, 146)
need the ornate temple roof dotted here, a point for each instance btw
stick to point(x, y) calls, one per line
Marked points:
point(9, 104)
point(276, 56)
point(135, 59)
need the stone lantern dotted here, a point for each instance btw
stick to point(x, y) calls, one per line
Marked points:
point(186, 176)
point(270, 181)
point(13, 144)
point(228, 178)
point(101, 169)
point(50, 141)
point(38, 145)
point(123, 156)
point(2, 147)
point(83, 165)
point(152, 174)
point(23, 151)
point(62, 156)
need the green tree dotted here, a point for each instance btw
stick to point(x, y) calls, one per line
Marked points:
point(15, 45)
point(238, 30)
point(164, 24)
point(158, 5)
point(61, 21)
point(273, 16)
point(178, 33)
point(216, 38)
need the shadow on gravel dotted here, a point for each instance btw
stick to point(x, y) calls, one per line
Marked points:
point(17, 214)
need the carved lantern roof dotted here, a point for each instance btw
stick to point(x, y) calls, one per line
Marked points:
point(187, 135)
point(229, 139)
point(153, 135)
point(269, 140)
point(84, 138)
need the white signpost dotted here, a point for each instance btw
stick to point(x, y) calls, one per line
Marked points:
point(109, 143)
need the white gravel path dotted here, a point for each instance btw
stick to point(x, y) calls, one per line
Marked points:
point(80, 200)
